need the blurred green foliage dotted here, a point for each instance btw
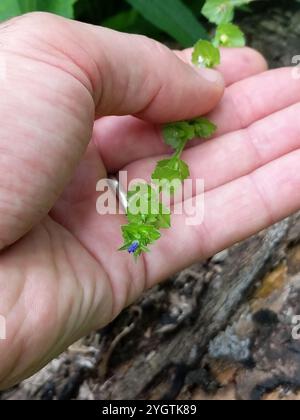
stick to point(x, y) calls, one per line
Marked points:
point(178, 20)
point(10, 8)
point(156, 18)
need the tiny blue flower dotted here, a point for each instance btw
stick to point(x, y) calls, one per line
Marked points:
point(133, 247)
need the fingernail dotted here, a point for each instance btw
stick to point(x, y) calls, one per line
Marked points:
point(211, 75)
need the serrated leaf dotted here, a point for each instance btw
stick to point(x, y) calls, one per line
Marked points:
point(222, 11)
point(141, 190)
point(144, 234)
point(171, 170)
point(142, 218)
point(143, 205)
point(229, 35)
point(176, 134)
point(153, 212)
point(166, 176)
point(218, 11)
point(205, 54)
point(164, 218)
point(139, 236)
point(125, 247)
point(183, 170)
point(164, 221)
point(204, 128)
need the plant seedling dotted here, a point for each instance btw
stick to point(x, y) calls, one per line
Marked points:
point(146, 214)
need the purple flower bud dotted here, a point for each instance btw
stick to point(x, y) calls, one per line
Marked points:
point(133, 247)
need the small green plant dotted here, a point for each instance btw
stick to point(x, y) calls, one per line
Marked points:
point(220, 12)
point(146, 214)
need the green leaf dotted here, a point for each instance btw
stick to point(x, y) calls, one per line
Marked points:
point(170, 170)
point(144, 234)
point(179, 133)
point(11, 8)
point(229, 35)
point(141, 190)
point(221, 11)
point(143, 204)
point(205, 54)
point(164, 218)
point(183, 170)
point(125, 247)
point(141, 218)
point(218, 11)
point(153, 212)
point(204, 128)
point(173, 17)
point(176, 134)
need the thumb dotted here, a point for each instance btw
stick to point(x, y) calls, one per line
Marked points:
point(56, 75)
point(131, 74)
point(143, 77)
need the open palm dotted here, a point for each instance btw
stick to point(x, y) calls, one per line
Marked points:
point(60, 273)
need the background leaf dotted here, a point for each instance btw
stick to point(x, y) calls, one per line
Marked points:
point(11, 8)
point(173, 17)
point(60, 7)
point(204, 128)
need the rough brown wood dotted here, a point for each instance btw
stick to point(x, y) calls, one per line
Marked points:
point(244, 265)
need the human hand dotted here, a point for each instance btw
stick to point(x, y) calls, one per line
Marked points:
point(60, 275)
